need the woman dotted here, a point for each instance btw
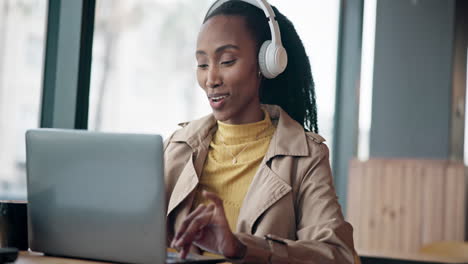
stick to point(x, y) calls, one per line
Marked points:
point(249, 182)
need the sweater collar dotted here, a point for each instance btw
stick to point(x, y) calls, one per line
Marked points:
point(238, 134)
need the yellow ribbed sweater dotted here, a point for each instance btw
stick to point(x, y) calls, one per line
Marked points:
point(248, 143)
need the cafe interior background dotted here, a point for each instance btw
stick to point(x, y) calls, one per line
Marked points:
point(390, 77)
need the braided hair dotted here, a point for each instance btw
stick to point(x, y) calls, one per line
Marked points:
point(294, 89)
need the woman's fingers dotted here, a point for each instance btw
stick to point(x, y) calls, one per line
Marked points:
point(187, 221)
point(184, 252)
point(194, 228)
point(214, 198)
point(218, 203)
point(210, 207)
point(196, 224)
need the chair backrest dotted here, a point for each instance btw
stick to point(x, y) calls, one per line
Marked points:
point(401, 205)
point(454, 249)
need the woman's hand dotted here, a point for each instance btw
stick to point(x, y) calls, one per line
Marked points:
point(208, 228)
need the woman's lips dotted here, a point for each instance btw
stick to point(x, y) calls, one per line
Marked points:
point(217, 101)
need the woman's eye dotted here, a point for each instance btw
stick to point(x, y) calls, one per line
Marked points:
point(202, 66)
point(228, 62)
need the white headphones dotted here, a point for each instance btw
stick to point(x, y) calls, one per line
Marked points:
point(272, 57)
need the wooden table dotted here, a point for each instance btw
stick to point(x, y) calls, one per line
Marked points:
point(405, 258)
point(28, 257)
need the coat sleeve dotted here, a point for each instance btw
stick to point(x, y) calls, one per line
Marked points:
point(323, 236)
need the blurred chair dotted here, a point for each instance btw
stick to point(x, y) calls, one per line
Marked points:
point(451, 249)
point(399, 205)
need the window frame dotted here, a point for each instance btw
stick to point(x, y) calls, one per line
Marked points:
point(67, 64)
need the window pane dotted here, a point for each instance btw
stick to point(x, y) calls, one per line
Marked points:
point(22, 30)
point(465, 152)
point(144, 64)
point(367, 71)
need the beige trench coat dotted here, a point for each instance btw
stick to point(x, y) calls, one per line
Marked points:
point(290, 213)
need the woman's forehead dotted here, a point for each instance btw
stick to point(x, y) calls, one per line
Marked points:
point(221, 30)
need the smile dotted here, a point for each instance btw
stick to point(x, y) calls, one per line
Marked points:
point(217, 97)
point(217, 101)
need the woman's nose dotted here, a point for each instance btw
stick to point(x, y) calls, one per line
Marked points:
point(214, 78)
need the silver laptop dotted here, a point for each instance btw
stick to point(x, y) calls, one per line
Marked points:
point(97, 196)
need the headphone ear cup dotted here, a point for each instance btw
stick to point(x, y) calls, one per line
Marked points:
point(272, 59)
point(262, 59)
point(280, 57)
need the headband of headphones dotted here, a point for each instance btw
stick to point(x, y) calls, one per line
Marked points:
point(269, 13)
point(272, 57)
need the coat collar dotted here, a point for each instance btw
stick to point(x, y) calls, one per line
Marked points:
point(195, 133)
point(289, 138)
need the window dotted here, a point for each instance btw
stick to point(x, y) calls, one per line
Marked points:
point(144, 64)
point(465, 152)
point(367, 68)
point(22, 30)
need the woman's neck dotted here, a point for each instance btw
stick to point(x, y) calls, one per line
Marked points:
point(247, 116)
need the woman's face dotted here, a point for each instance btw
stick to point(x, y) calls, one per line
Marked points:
point(228, 69)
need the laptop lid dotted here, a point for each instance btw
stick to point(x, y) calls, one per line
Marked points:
point(96, 195)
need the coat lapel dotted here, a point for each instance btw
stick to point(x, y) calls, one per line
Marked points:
point(265, 190)
point(187, 182)
point(189, 177)
point(268, 187)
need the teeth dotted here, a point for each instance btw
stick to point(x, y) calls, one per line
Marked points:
point(216, 99)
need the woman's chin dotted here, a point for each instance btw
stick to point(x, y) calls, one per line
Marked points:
point(222, 116)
